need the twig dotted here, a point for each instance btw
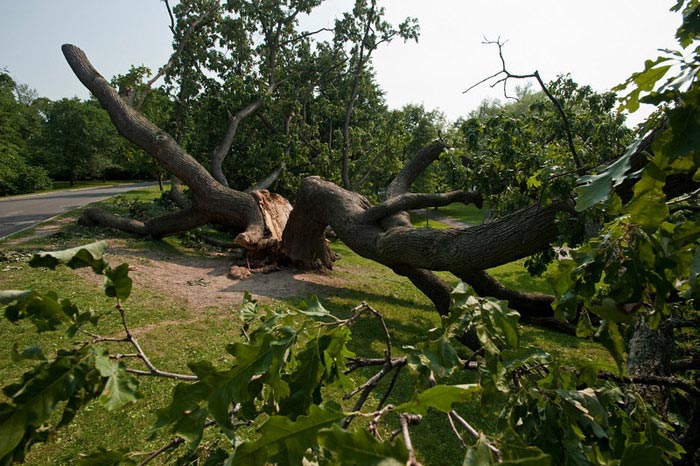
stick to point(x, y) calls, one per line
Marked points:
point(152, 369)
point(184, 39)
point(389, 364)
point(474, 433)
point(454, 429)
point(405, 419)
point(173, 443)
point(390, 388)
point(366, 389)
point(123, 356)
point(374, 423)
point(359, 362)
point(507, 75)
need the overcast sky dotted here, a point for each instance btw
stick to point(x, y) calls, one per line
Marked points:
point(600, 42)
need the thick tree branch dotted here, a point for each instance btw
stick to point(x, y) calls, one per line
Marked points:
point(210, 200)
point(412, 170)
point(219, 154)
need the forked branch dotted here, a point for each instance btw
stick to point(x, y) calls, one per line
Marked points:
point(504, 75)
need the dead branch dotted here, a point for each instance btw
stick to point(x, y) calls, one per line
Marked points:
point(506, 75)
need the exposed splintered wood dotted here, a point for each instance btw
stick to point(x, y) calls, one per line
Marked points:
point(275, 211)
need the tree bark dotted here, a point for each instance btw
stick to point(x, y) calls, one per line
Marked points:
point(211, 202)
point(217, 157)
point(407, 250)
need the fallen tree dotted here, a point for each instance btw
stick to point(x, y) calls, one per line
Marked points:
point(381, 232)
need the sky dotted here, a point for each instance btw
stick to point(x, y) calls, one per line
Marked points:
point(599, 42)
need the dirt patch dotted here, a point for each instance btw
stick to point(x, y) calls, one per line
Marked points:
point(201, 281)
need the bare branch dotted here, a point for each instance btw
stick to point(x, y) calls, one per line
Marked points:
point(405, 420)
point(536, 75)
point(172, 18)
point(474, 433)
point(181, 47)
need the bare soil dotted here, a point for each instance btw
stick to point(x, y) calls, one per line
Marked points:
point(201, 281)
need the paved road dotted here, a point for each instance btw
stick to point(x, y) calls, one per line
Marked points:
point(19, 213)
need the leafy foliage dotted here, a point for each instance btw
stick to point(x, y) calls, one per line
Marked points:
point(634, 285)
point(277, 400)
point(49, 396)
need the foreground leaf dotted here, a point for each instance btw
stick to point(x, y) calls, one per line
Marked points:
point(283, 441)
point(440, 397)
point(90, 255)
point(120, 388)
point(359, 448)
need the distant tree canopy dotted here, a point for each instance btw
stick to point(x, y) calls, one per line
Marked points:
point(20, 122)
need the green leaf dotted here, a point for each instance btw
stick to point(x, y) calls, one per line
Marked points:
point(525, 456)
point(594, 189)
point(641, 455)
point(440, 397)
point(117, 282)
point(44, 311)
point(612, 339)
point(67, 378)
point(460, 294)
point(186, 401)
point(643, 81)
point(439, 356)
point(321, 362)
point(283, 441)
point(120, 388)
point(479, 454)
point(360, 448)
point(9, 296)
point(314, 308)
point(648, 206)
point(609, 310)
point(104, 457)
point(32, 352)
point(90, 255)
point(12, 429)
point(684, 122)
point(584, 328)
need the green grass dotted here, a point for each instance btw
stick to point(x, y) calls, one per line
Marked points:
point(172, 335)
point(464, 213)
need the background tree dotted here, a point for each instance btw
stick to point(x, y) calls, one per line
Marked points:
point(78, 141)
point(20, 120)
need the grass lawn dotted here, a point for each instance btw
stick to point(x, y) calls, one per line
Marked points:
point(172, 335)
